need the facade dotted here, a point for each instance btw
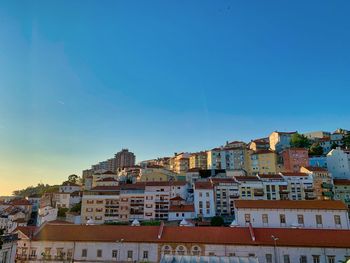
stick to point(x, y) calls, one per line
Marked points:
point(180, 163)
point(156, 173)
point(287, 213)
point(68, 187)
point(250, 187)
point(300, 186)
point(275, 187)
point(204, 202)
point(8, 246)
point(294, 159)
point(338, 163)
point(46, 214)
point(322, 182)
point(318, 161)
point(124, 158)
point(263, 162)
point(259, 144)
point(280, 140)
point(342, 191)
point(156, 243)
point(198, 160)
point(228, 158)
point(226, 190)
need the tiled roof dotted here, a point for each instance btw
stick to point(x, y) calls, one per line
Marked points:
point(203, 185)
point(247, 178)
point(316, 169)
point(217, 180)
point(270, 176)
point(177, 198)
point(291, 204)
point(204, 235)
point(20, 202)
point(182, 208)
point(341, 182)
point(27, 230)
point(294, 174)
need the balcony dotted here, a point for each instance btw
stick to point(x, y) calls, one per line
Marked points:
point(327, 186)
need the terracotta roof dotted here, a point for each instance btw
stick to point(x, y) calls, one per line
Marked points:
point(20, 202)
point(316, 169)
point(247, 178)
point(294, 174)
point(203, 235)
point(270, 176)
point(291, 204)
point(177, 198)
point(341, 182)
point(203, 185)
point(27, 230)
point(182, 208)
point(217, 180)
point(106, 188)
point(168, 183)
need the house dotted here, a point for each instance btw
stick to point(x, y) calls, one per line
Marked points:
point(198, 160)
point(46, 214)
point(69, 187)
point(226, 190)
point(290, 213)
point(204, 202)
point(250, 187)
point(275, 187)
point(342, 191)
point(300, 186)
point(338, 163)
point(294, 159)
point(263, 162)
point(318, 161)
point(8, 246)
point(180, 210)
point(280, 140)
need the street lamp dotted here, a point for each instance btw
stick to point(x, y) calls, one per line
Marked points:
point(275, 246)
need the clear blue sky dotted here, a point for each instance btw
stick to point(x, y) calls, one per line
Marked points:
point(81, 79)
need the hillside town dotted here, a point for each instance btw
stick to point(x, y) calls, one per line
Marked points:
point(282, 198)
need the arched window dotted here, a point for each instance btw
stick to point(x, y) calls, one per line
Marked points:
point(166, 250)
point(181, 250)
point(196, 251)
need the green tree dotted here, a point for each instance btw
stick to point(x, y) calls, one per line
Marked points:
point(334, 145)
point(73, 178)
point(299, 141)
point(76, 208)
point(346, 141)
point(217, 221)
point(316, 149)
point(62, 212)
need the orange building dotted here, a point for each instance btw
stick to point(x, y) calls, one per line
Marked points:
point(294, 159)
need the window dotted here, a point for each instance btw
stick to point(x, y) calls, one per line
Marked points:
point(331, 259)
point(180, 250)
point(145, 254)
point(69, 254)
point(251, 255)
point(300, 219)
point(337, 220)
point(167, 250)
point(247, 218)
point(84, 253)
point(114, 253)
point(207, 194)
point(268, 258)
point(286, 259)
point(130, 254)
point(318, 219)
point(315, 258)
point(282, 218)
point(33, 253)
point(211, 254)
point(195, 251)
point(303, 259)
point(265, 218)
point(99, 253)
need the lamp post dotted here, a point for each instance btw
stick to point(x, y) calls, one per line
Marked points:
point(275, 246)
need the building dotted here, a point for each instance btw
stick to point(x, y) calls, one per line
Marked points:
point(250, 187)
point(300, 186)
point(124, 158)
point(180, 163)
point(8, 246)
point(68, 187)
point(259, 144)
point(180, 210)
point(104, 243)
point(204, 201)
point(289, 213)
point(317, 135)
point(275, 187)
point(338, 163)
point(322, 182)
point(46, 214)
point(263, 162)
point(228, 158)
point(156, 173)
point(226, 190)
point(198, 160)
point(342, 191)
point(280, 140)
point(294, 159)
point(318, 161)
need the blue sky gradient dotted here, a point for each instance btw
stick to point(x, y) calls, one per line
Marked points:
point(81, 79)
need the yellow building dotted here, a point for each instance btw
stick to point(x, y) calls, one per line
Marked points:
point(198, 160)
point(180, 163)
point(263, 162)
point(156, 174)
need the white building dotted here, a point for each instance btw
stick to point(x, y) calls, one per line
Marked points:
point(8, 246)
point(288, 213)
point(338, 163)
point(46, 214)
point(105, 243)
point(204, 202)
point(300, 186)
point(68, 187)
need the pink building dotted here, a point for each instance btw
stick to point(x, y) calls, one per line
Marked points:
point(294, 159)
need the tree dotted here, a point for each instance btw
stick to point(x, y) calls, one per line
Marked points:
point(76, 208)
point(62, 212)
point(334, 145)
point(217, 221)
point(73, 178)
point(316, 149)
point(346, 141)
point(299, 141)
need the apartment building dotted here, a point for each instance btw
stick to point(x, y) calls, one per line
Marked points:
point(156, 173)
point(300, 186)
point(263, 162)
point(180, 163)
point(259, 144)
point(338, 163)
point(275, 187)
point(322, 182)
point(280, 140)
point(204, 201)
point(250, 187)
point(289, 213)
point(342, 191)
point(294, 159)
point(228, 158)
point(226, 190)
point(198, 160)
point(164, 244)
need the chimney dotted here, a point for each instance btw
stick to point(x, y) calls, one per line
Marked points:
point(161, 227)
